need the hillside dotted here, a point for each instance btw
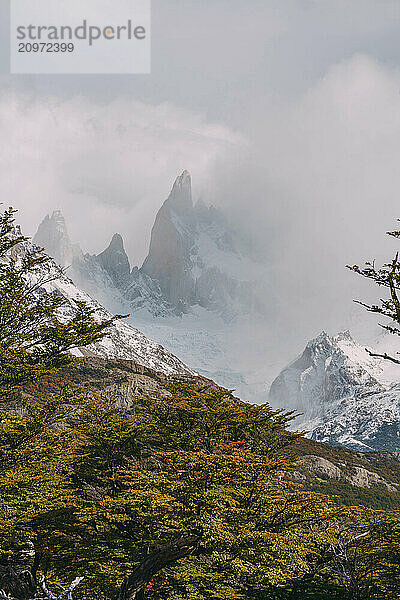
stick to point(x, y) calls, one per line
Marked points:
point(368, 478)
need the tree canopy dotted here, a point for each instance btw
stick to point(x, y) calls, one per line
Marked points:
point(35, 337)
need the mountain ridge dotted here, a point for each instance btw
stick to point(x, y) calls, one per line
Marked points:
point(192, 261)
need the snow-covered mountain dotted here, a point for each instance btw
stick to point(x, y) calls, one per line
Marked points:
point(194, 259)
point(198, 292)
point(345, 396)
point(123, 340)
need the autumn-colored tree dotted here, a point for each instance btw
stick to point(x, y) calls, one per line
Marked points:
point(358, 559)
point(35, 339)
point(185, 496)
point(182, 498)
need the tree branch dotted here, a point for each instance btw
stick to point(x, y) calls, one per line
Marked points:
point(385, 356)
point(134, 585)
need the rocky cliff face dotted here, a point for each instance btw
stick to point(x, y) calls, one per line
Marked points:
point(345, 396)
point(194, 258)
point(172, 239)
point(369, 478)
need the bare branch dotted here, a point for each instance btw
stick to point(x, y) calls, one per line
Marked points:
point(385, 356)
point(70, 589)
point(163, 556)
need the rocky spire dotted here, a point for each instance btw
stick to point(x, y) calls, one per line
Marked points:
point(180, 198)
point(115, 262)
point(52, 235)
point(171, 239)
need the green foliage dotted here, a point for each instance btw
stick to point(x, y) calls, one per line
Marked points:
point(101, 487)
point(194, 460)
point(350, 495)
point(35, 337)
point(37, 331)
point(381, 495)
point(97, 491)
point(32, 462)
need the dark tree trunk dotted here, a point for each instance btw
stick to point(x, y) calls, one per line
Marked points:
point(134, 585)
point(16, 583)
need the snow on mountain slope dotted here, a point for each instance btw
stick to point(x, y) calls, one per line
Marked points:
point(345, 396)
point(361, 422)
point(122, 340)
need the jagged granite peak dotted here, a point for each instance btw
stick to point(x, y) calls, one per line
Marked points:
point(345, 396)
point(168, 260)
point(52, 235)
point(117, 242)
point(180, 197)
point(115, 261)
point(193, 261)
point(192, 256)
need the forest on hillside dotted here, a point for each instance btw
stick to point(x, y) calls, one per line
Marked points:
point(184, 493)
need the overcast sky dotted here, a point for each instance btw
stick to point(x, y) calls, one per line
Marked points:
point(287, 112)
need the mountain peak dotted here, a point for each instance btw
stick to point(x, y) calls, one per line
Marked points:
point(115, 261)
point(180, 197)
point(117, 242)
point(183, 179)
point(344, 336)
point(52, 235)
point(57, 215)
point(58, 221)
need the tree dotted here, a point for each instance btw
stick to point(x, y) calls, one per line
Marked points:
point(386, 276)
point(358, 560)
point(183, 497)
point(35, 339)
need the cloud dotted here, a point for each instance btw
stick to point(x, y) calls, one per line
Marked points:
point(314, 178)
point(107, 166)
point(321, 186)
